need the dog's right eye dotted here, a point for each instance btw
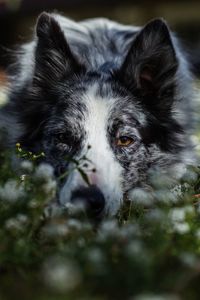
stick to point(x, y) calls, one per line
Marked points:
point(62, 138)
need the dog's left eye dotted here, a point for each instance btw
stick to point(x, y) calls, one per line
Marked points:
point(124, 141)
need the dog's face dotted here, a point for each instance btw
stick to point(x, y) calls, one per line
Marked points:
point(117, 124)
point(102, 123)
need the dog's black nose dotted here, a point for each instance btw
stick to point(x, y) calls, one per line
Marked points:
point(92, 198)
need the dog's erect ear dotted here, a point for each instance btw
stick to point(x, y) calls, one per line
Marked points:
point(151, 62)
point(53, 56)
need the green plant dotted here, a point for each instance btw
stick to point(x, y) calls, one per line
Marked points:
point(151, 250)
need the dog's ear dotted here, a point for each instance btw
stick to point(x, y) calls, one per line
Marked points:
point(53, 56)
point(151, 62)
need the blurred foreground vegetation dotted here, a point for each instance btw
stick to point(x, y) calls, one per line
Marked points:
point(151, 250)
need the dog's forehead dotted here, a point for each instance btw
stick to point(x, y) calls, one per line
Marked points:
point(99, 103)
point(106, 103)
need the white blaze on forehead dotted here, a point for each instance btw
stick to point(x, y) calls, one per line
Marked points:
point(108, 175)
point(108, 170)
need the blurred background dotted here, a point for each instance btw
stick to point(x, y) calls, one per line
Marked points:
point(17, 18)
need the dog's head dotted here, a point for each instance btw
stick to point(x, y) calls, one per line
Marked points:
point(104, 128)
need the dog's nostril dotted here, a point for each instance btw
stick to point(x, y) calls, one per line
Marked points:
point(92, 198)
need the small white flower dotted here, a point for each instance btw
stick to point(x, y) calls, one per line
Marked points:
point(140, 196)
point(56, 230)
point(162, 181)
point(23, 177)
point(16, 223)
point(11, 191)
point(27, 165)
point(76, 208)
point(50, 187)
point(177, 214)
point(165, 196)
point(189, 209)
point(189, 176)
point(108, 228)
point(74, 224)
point(181, 228)
point(44, 172)
point(61, 275)
point(33, 203)
point(22, 218)
point(12, 223)
point(53, 210)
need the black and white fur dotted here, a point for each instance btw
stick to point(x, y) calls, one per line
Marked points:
point(88, 83)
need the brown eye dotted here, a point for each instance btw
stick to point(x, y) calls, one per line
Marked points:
point(124, 141)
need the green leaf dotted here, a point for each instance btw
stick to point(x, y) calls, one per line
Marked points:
point(84, 176)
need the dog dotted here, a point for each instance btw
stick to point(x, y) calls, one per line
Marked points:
point(118, 96)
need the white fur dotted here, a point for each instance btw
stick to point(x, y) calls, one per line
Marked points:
point(108, 170)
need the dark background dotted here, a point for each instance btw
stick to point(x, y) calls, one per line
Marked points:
point(17, 17)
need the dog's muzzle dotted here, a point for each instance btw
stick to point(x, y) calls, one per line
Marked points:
point(92, 198)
